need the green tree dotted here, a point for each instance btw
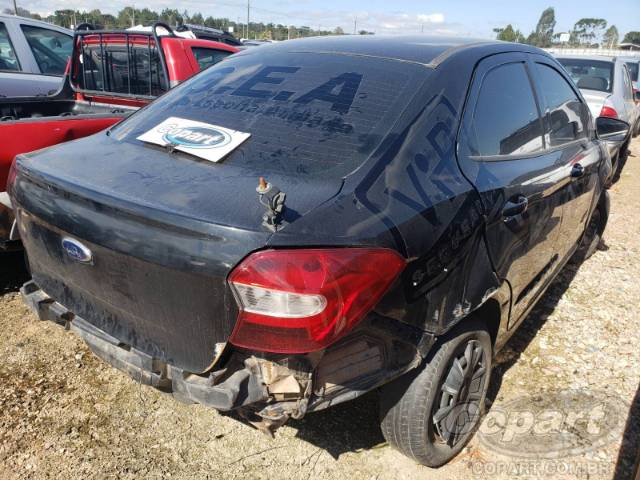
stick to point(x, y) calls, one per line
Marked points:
point(171, 16)
point(543, 34)
point(197, 19)
point(508, 34)
point(632, 37)
point(129, 15)
point(587, 31)
point(22, 12)
point(610, 37)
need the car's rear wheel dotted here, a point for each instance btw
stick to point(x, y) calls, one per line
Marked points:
point(431, 414)
point(622, 154)
point(592, 236)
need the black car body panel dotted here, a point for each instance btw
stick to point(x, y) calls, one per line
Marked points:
point(167, 229)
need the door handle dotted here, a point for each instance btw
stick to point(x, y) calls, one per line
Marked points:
point(577, 171)
point(515, 206)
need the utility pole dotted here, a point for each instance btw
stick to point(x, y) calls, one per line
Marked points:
point(355, 25)
point(248, 9)
point(15, 7)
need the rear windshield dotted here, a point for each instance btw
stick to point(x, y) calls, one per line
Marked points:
point(590, 74)
point(121, 64)
point(633, 70)
point(316, 114)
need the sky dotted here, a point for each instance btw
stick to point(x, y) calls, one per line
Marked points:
point(452, 17)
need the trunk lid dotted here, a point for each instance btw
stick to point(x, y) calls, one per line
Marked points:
point(595, 100)
point(164, 231)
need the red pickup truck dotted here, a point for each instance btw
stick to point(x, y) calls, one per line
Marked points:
point(110, 75)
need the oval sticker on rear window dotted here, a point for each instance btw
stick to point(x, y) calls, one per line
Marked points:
point(203, 140)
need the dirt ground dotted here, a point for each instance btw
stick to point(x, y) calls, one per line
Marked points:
point(65, 414)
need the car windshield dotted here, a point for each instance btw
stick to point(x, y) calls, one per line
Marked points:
point(633, 70)
point(590, 74)
point(308, 114)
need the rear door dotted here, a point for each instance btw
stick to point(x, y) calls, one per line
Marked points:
point(569, 138)
point(501, 150)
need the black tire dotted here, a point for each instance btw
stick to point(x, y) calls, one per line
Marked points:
point(411, 406)
point(623, 155)
point(592, 237)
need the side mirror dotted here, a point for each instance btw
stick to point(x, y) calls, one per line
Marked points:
point(612, 129)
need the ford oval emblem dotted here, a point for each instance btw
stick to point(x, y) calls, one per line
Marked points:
point(76, 250)
point(196, 137)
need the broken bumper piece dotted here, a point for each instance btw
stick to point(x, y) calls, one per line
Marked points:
point(9, 236)
point(241, 388)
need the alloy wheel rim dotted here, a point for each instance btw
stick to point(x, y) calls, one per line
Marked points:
point(458, 406)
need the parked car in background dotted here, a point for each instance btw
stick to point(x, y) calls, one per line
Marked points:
point(605, 83)
point(420, 196)
point(208, 33)
point(633, 64)
point(112, 74)
point(33, 56)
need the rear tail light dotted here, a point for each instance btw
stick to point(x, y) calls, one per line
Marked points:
point(608, 112)
point(297, 301)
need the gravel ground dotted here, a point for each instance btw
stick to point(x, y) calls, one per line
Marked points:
point(65, 414)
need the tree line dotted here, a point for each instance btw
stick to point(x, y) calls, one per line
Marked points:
point(586, 33)
point(129, 17)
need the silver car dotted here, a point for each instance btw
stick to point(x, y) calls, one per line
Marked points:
point(33, 56)
point(606, 85)
point(633, 64)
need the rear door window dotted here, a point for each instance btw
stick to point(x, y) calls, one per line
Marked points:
point(50, 48)
point(207, 57)
point(567, 116)
point(8, 59)
point(110, 64)
point(316, 114)
point(633, 70)
point(506, 119)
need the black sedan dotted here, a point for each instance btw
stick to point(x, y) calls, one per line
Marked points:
point(311, 220)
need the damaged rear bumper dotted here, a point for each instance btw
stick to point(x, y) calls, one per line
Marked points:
point(243, 387)
point(266, 390)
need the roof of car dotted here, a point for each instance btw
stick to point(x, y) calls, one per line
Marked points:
point(423, 49)
point(630, 58)
point(32, 21)
point(601, 58)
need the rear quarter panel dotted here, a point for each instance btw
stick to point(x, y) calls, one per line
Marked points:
point(412, 197)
